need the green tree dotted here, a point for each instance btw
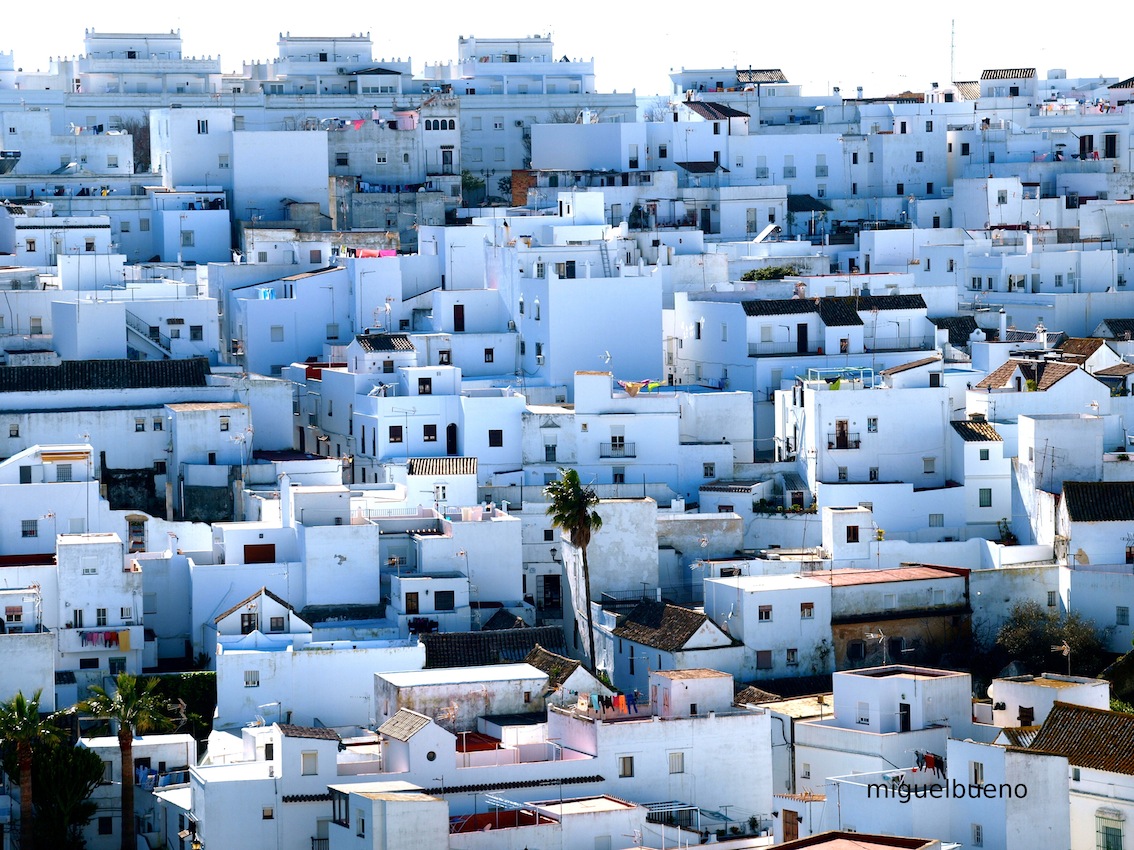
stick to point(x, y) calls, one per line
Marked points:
point(135, 708)
point(770, 273)
point(23, 727)
point(571, 510)
point(1031, 631)
point(66, 777)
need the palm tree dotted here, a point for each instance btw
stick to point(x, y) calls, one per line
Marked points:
point(136, 709)
point(571, 510)
point(22, 726)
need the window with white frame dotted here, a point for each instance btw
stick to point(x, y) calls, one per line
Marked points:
point(625, 767)
point(677, 762)
point(310, 763)
point(764, 613)
point(251, 678)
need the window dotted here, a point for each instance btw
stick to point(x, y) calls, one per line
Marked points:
point(202, 127)
point(387, 367)
point(618, 475)
point(224, 423)
point(429, 433)
point(1122, 615)
point(852, 534)
point(843, 476)
point(425, 386)
point(445, 357)
point(792, 657)
point(158, 423)
point(222, 159)
point(724, 332)
point(806, 610)
point(444, 600)
point(929, 126)
point(763, 659)
point(978, 835)
point(765, 613)
point(310, 763)
point(663, 151)
point(268, 813)
point(964, 148)
point(625, 767)
point(144, 225)
point(139, 424)
point(489, 355)
point(928, 465)
point(105, 824)
point(111, 161)
point(88, 663)
point(709, 470)
point(874, 473)
point(919, 156)
point(936, 520)
point(856, 650)
point(342, 159)
point(1108, 829)
point(380, 157)
point(186, 239)
point(901, 189)
point(495, 438)
point(1052, 598)
point(63, 472)
point(976, 773)
point(276, 624)
point(159, 467)
point(196, 333)
point(986, 497)
point(863, 714)
point(14, 430)
point(13, 615)
point(395, 433)
point(984, 454)
point(677, 762)
point(928, 191)
point(29, 528)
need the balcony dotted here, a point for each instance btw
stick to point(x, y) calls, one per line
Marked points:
point(617, 450)
point(320, 844)
point(843, 440)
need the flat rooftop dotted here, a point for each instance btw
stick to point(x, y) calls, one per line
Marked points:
point(901, 670)
point(462, 675)
point(803, 708)
point(752, 584)
point(585, 805)
point(846, 578)
point(692, 673)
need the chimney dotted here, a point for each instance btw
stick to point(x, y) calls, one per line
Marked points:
point(1003, 325)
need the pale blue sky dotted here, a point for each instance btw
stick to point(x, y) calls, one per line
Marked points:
point(884, 46)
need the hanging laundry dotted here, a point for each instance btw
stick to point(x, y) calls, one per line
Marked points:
point(632, 702)
point(124, 640)
point(595, 701)
point(583, 702)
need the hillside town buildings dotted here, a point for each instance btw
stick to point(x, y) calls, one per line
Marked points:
point(290, 354)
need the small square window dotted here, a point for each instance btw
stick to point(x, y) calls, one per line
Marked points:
point(1052, 598)
point(310, 763)
point(677, 762)
point(549, 535)
point(495, 438)
point(196, 333)
point(105, 825)
point(13, 430)
point(251, 678)
point(928, 465)
point(625, 767)
point(984, 454)
point(806, 610)
point(765, 613)
point(395, 433)
point(489, 355)
point(224, 423)
point(986, 497)
point(276, 624)
point(1122, 615)
point(88, 663)
point(277, 333)
point(792, 657)
point(874, 473)
point(29, 528)
point(709, 470)
point(268, 813)
point(872, 425)
point(429, 433)
point(936, 520)
point(158, 423)
point(852, 534)
point(843, 475)
point(763, 659)
point(139, 424)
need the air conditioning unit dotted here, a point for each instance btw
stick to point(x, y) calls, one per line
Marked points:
point(340, 70)
point(539, 359)
point(511, 325)
point(519, 123)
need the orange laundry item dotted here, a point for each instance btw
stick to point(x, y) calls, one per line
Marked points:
point(124, 640)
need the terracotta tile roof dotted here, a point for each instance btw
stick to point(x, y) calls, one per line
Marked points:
point(976, 431)
point(712, 111)
point(1089, 737)
point(729, 486)
point(1080, 347)
point(968, 89)
point(1118, 370)
point(384, 342)
point(105, 375)
point(1020, 736)
point(660, 625)
point(960, 328)
point(1008, 74)
point(913, 364)
point(701, 167)
point(1046, 373)
point(1120, 327)
point(913, 572)
point(1128, 83)
point(835, 311)
point(404, 725)
point(318, 733)
point(1099, 501)
point(306, 798)
point(441, 466)
point(557, 667)
point(753, 695)
point(506, 646)
point(263, 591)
point(761, 75)
point(503, 619)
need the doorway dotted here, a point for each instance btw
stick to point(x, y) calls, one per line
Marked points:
point(451, 439)
point(458, 318)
